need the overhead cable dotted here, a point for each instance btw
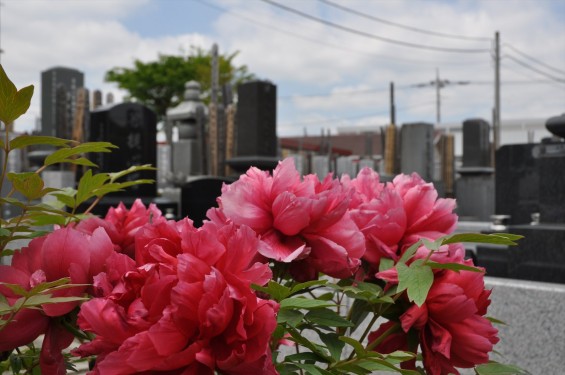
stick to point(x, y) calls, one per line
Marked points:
point(381, 20)
point(528, 66)
point(560, 71)
point(373, 36)
point(390, 58)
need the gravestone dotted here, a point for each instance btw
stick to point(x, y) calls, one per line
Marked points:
point(133, 128)
point(417, 149)
point(517, 183)
point(476, 143)
point(256, 126)
point(198, 195)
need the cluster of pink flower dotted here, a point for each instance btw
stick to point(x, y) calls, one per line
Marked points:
point(169, 297)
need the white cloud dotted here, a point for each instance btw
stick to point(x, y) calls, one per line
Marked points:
point(276, 45)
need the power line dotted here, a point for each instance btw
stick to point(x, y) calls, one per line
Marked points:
point(373, 36)
point(381, 20)
point(390, 58)
point(334, 120)
point(528, 66)
point(534, 59)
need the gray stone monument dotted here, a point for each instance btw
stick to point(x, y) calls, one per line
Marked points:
point(417, 149)
point(189, 151)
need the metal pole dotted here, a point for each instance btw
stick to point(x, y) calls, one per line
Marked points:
point(438, 105)
point(496, 120)
point(392, 106)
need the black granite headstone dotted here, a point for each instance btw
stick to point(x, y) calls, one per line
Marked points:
point(517, 183)
point(476, 143)
point(199, 194)
point(539, 255)
point(133, 128)
point(256, 119)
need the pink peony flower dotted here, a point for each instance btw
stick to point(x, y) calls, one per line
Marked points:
point(305, 223)
point(394, 216)
point(66, 252)
point(451, 326)
point(190, 309)
point(122, 224)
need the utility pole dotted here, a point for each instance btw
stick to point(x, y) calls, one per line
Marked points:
point(439, 84)
point(496, 114)
point(392, 106)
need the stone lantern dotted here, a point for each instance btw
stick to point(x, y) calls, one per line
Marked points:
point(189, 151)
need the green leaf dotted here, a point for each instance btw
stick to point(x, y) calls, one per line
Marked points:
point(290, 317)
point(495, 368)
point(136, 168)
point(416, 279)
point(432, 245)
point(356, 345)
point(13, 103)
point(328, 318)
point(359, 312)
point(307, 284)
point(492, 238)
point(16, 289)
point(453, 266)
point(313, 369)
point(333, 343)
point(409, 253)
point(306, 356)
point(385, 264)
point(496, 321)
point(67, 155)
point(42, 299)
point(28, 140)
point(27, 183)
point(89, 183)
point(304, 303)
point(277, 291)
point(50, 285)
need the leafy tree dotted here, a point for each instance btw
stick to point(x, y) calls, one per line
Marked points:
point(160, 84)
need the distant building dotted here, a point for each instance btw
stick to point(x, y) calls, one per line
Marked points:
point(58, 100)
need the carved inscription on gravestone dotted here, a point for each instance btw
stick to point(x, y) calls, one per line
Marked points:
point(132, 127)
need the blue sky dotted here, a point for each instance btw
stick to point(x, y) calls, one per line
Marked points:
point(349, 72)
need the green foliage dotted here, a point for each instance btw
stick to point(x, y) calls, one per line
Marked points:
point(160, 84)
point(13, 102)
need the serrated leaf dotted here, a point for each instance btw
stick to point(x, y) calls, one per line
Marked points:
point(48, 219)
point(328, 318)
point(333, 343)
point(453, 266)
point(416, 279)
point(28, 140)
point(495, 368)
point(304, 303)
point(491, 238)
